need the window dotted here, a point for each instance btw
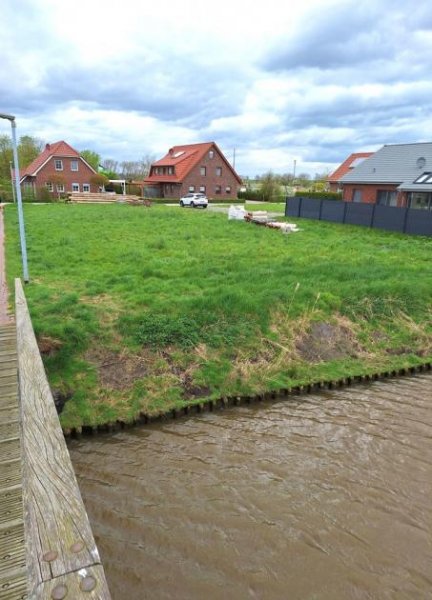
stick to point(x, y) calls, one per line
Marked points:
point(170, 170)
point(75, 187)
point(203, 171)
point(218, 189)
point(211, 154)
point(387, 197)
point(86, 187)
point(49, 186)
point(420, 200)
point(202, 189)
point(59, 165)
point(357, 196)
point(219, 171)
point(60, 187)
point(191, 188)
point(228, 189)
point(424, 178)
point(74, 165)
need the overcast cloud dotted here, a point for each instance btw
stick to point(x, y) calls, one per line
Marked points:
point(310, 81)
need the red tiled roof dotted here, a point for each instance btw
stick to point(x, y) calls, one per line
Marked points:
point(347, 165)
point(56, 149)
point(184, 159)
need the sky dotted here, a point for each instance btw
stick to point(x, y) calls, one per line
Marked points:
point(274, 83)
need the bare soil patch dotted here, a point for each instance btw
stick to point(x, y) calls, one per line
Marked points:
point(328, 341)
point(117, 371)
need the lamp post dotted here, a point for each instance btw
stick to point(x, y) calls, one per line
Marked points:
point(11, 118)
point(12, 180)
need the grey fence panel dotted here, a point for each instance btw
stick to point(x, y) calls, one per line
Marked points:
point(419, 222)
point(310, 208)
point(359, 214)
point(292, 207)
point(333, 210)
point(391, 218)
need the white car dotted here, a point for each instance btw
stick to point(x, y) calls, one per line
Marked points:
point(193, 200)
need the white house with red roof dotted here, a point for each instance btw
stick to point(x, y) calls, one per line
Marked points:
point(193, 168)
point(60, 169)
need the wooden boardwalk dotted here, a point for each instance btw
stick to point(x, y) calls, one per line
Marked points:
point(47, 549)
point(13, 575)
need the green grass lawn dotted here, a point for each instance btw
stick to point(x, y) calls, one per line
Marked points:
point(145, 309)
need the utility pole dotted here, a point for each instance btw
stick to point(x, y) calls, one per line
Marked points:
point(12, 181)
point(11, 118)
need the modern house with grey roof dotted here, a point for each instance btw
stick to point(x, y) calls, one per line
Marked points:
point(396, 175)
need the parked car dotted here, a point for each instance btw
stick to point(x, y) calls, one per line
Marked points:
point(194, 200)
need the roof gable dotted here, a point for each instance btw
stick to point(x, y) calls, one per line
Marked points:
point(58, 149)
point(397, 163)
point(353, 160)
point(185, 158)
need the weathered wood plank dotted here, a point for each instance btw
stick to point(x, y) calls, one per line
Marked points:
point(58, 535)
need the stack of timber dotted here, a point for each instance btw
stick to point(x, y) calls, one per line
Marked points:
point(102, 198)
point(61, 554)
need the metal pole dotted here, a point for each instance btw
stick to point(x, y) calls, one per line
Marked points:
point(11, 118)
point(12, 181)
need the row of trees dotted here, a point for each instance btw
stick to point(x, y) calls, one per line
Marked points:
point(272, 186)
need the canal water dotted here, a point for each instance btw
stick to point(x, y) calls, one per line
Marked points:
point(325, 496)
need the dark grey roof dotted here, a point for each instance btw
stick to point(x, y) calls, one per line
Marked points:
point(397, 164)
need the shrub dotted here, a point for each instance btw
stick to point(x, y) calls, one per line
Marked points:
point(320, 195)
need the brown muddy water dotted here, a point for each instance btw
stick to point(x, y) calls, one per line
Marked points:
point(325, 496)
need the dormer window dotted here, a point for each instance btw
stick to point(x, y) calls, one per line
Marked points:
point(58, 165)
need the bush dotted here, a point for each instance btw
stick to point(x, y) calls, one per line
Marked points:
point(320, 195)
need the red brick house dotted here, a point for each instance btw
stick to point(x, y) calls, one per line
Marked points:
point(192, 168)
point(349, 163)
point(60, 169)
point(396, 175)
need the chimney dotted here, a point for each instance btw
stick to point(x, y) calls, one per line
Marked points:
point(47, 147)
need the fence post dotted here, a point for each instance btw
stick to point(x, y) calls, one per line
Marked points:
point(405, 220)
point(320, 209)
point(373, 216)
point(300, 206)
point(344, 212)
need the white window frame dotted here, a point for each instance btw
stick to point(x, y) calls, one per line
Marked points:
point(218, 189)
point(203, 171)
point(211, 153)
point(86, 187)
point(191, 189)
point(49, 186)
point(218, 171)
point(73, 164)
point(76, 185)
point(228, 189)
point(202, 189)
point(60, 187)
point(58, 164)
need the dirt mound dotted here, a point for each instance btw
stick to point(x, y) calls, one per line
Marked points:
point(116, 371)
point(328, 341)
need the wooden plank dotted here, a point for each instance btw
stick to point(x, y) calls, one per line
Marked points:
point(58, 534)
point(88, 583)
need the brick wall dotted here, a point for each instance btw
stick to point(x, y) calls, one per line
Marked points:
point(211, 180)
point(369, 193)
point(48, 173)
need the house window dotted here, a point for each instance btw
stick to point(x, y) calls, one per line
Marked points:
point(228, 189)
point(86, 187)
point(49, 186)
point(74, 165)
point(357, 196)
point(218, 189)
point(59, 165)
point(170, 170)
point(75, 187)
point(191, 188)
point(202, 189)
point(60, 187)
point(211, 154)
point(420, 200)
point(203, 171)
point(219, 171)
point(387, 198)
